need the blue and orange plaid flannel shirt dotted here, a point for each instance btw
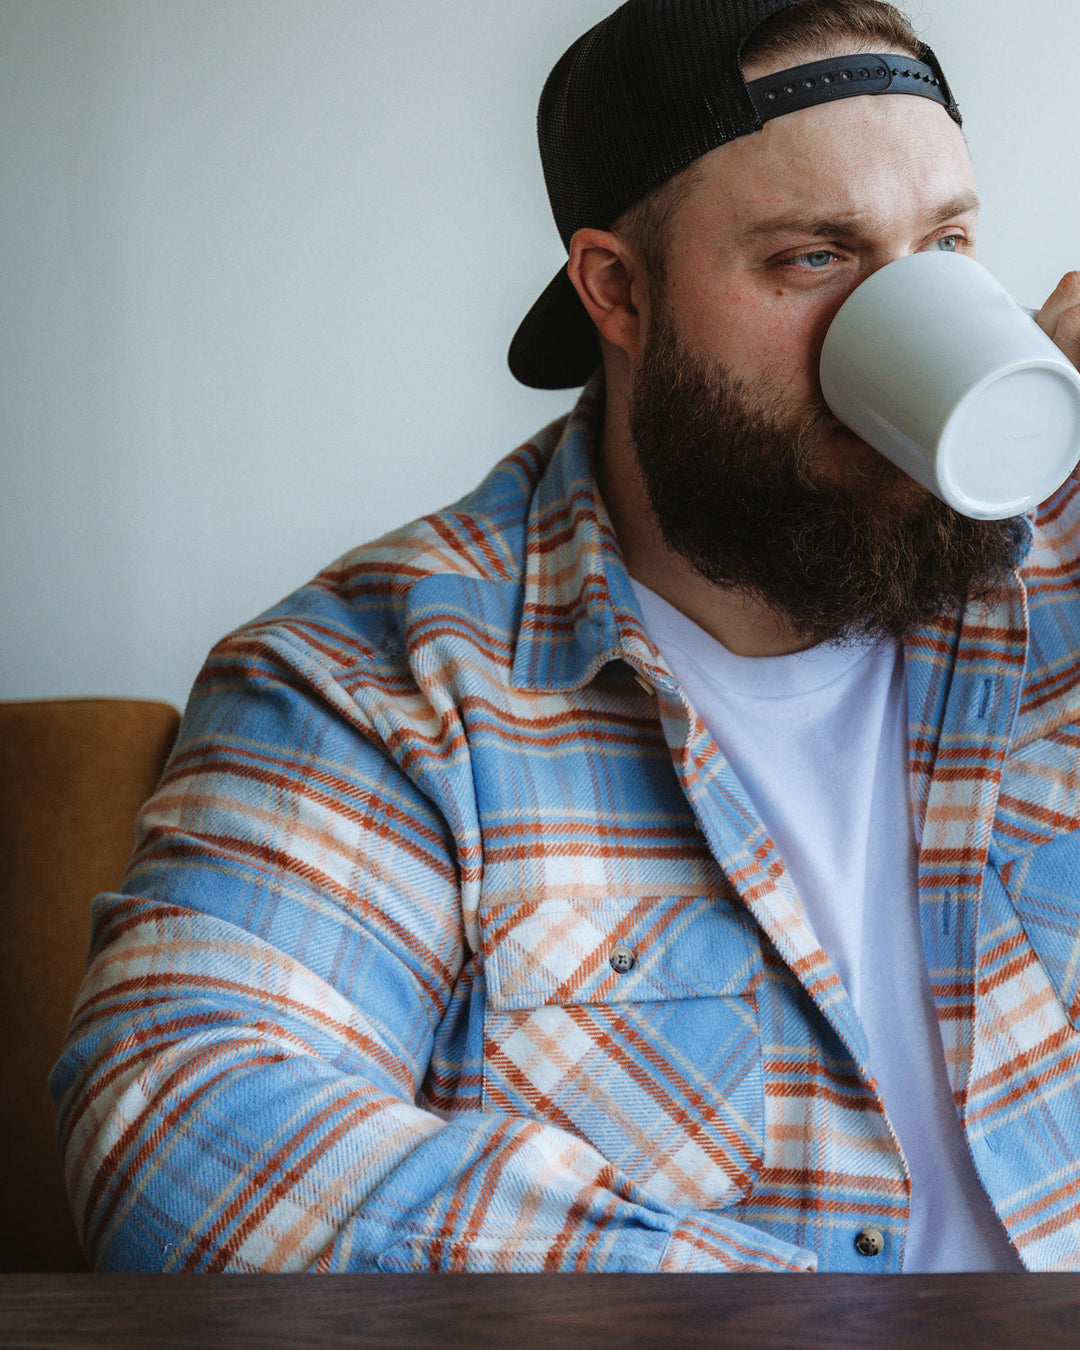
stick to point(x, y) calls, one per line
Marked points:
point(354, 1008)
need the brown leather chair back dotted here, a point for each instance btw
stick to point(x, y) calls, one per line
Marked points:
point(73, 774)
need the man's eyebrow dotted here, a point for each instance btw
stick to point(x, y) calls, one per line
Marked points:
point(967, 203)
point(818, 227)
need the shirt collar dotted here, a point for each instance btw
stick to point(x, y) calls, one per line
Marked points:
point(579, 611)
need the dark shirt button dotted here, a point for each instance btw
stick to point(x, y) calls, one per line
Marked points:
point(870, 1242)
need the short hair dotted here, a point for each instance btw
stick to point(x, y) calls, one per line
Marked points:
point(800, 28)
point(822, 23)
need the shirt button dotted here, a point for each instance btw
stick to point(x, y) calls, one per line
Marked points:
point(870, 1242)
point(622, 959)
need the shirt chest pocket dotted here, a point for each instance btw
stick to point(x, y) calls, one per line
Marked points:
point(632, 1023)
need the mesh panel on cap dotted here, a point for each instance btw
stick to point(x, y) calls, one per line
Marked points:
point(646, 92)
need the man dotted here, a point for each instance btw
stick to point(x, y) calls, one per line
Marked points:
point(665, 858)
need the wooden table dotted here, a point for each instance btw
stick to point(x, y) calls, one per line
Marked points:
point(561, 1311)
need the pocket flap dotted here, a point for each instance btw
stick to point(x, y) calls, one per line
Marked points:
point(560, 951)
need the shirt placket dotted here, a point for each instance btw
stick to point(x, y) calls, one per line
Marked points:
point(749, 858)
point(976, 686)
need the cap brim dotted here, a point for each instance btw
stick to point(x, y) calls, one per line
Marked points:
point(556, 346)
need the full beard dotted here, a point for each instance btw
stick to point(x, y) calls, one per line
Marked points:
point(741, 491)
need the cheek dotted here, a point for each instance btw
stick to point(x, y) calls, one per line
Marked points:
point(755, 334)
point(781, 343)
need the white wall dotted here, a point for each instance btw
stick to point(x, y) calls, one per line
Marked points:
point(260, 261)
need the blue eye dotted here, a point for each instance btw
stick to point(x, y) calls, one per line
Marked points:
point(948, 244)
point(816, 261)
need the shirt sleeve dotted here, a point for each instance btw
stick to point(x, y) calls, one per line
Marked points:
point(241, 1085)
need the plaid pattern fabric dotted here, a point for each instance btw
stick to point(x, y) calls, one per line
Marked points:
point(355, 1007)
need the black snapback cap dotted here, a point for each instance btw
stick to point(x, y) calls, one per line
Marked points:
point(641, 96)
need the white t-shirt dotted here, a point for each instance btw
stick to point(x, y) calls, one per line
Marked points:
point(819, 742)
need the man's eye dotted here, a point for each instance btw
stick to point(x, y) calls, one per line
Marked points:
point(815, 261)
point(949, 243)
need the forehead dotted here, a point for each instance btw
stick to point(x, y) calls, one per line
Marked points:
point(887, 159)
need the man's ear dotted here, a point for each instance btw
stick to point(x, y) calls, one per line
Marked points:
point(611, 283)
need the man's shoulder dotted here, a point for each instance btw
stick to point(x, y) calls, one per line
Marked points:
point(358, 607)
point(481, 536)
point(1051, 577)
point(1051, 568)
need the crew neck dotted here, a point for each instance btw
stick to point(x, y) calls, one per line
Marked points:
point(761, 677)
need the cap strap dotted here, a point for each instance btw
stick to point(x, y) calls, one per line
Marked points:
point(844, 77)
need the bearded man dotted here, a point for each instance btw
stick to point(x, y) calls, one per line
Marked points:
point(666, 858)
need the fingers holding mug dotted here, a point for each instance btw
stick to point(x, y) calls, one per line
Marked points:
point(1059, 318)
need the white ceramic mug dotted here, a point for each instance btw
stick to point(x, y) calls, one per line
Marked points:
point(932, 363)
